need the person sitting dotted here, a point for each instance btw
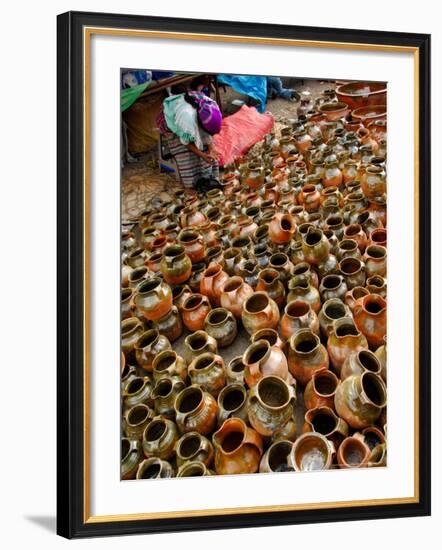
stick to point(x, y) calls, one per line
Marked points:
point(276, 89)
point(188, 121)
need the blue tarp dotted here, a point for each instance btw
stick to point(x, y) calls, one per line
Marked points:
point(253, 86)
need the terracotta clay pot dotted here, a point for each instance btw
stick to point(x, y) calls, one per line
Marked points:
point(348, 248)
point(310, 198)
point(168, 363)
point(164, 394)
point(196, 275)
point(194, 469)
point(180, 293)
point(378, 237)
point(282, 228)
point(310, 452)
point(332, 286)
point(131, 457)
point(275, 458)
point(373, 437)
point(154, 262)
point(353, 271)
point(259, 311)
point(175, 265)
point(234, 294)
point(235, 370)
point(138, 391)
point(191, 217)
point(271, 405)
point(270, 335)
point(375, 259)
point(343, 339)
point(127, 374)
point(154, 468)
point(136, 419)
point(232, 402)
point(381, 354)
point(308, 272)
point(353, 452)
point(136, 258)
point(320, 390)
point(221, 325)
point(306, 355)
point(195, 310)
point(300, 289)
point(332, 310)
point(148, 346)
point(192, 447)
point(238, 449)
point(377, 285)
point(359, 362)
point(137, 276)
point(131, 329)
point(153, 299)
point(298, 314)
point(281, 263)
point(315, 246)
point(324, 420)
point(355, 232)
point(262, 360)
point(170, 325)
point(212, 283)
point(197, 343)
point(370, 314)
point(195, 410)
point(360, 399)
point(159, 438)
point(207, 371)
point(269, 281)
point(193, 245)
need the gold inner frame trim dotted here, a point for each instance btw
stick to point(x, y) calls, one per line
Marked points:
point(87, 33)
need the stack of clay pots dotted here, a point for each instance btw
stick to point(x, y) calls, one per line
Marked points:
point(291, 253)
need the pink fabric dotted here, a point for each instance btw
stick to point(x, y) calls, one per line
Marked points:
point(240, 131)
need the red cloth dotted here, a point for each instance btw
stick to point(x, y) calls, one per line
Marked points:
point(240, 131)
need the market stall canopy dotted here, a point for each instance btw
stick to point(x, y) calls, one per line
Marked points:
point(252, 86)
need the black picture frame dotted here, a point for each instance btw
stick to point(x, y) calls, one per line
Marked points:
point(71, 521)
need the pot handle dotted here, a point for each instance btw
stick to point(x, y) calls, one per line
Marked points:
point(342, 427)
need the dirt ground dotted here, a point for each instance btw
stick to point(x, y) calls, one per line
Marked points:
point(141, 180)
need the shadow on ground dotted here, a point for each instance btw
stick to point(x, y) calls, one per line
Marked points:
point(48, 523)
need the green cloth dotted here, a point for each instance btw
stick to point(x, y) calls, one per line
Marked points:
point(181, 119)
point(130, 95)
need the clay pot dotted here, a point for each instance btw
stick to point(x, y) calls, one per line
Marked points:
point(127, 374)
point(159, 244)
point(333, 175)
point(221, 325)
point(381, 354)
point(137, 276)
point(353, 295)
point(168, 363)
point(164, 394)
point(238, 449)
point(333, 286)
point(195, 310)
point(196, 275)
point(207, 371)
point(234, 294)
point(353, 271)
point(373, 437)
point(324, 420)
point(270, 282)
point(377, 285)
point(138, 391)
point(375, 259)
point(310, 452)
point(298, 314)
point(154, 468)
point(310, 198)
point(315, 246)
point(235, 370)
point(254, 176)
point(306, 355)
point(335, 110)
point(281, 263)
point(154, 262)
point(215, 254)
point(378, 237)
point(359, 362)
point(332, 310)
point(354, 231)
point(170, 325)
point(360, 399)
point(362, 94)
point(191, 217)
point(271, 404)
point(232, 257)
point(300, 289)
point(370, 314)
point(261, 360)
point(194, 469)
point(275, 458)
point(259, 311)
point(194, 447)
point(159, 220)
point(320, 390)
point(373, 181)
point(232, 402)
point(212, 283)
point(148, 346)
point(136, 258)
point(131, 329)
point(270, 335)
point(193, 245)
point(348, 248)
point(126, 270)
point(136, 419)
point(159, 438)
point(344, 338)
point(131, 456)
point(282, 228)
point(195, 410)
point(153, 299)
point(175, 265)
point(353, 452)
point(308, 272)
point(197, 343)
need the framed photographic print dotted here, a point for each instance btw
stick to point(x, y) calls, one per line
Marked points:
point(223, 314)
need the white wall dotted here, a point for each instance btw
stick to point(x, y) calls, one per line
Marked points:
point(27, 488)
